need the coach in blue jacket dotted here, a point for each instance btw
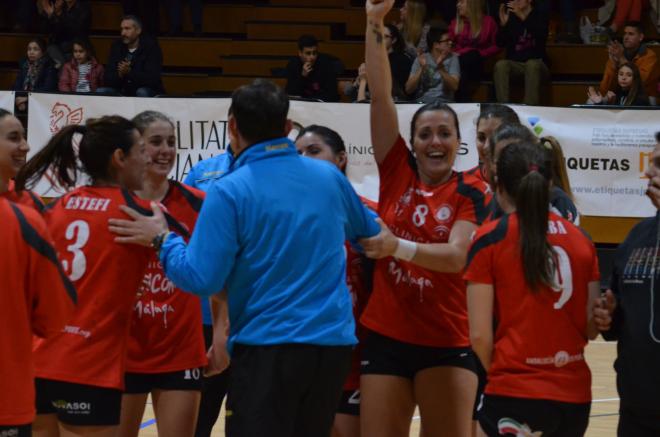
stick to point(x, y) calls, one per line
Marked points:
point(272, 235)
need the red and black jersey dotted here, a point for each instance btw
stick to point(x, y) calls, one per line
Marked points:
point(410, 303)
point(540, 336)
point(479, 172)
point(91, 349)
point(25, 197)
point(37, 299)
point(359, 272)
point(166, 327)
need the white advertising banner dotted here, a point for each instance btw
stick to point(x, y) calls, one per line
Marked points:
point(7, 101)
point(606, 151)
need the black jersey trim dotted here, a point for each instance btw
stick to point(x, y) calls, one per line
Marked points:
point(477, 197)
point(39, 205)
point(194, 201)
point(171, 221)
point(493, 237)
point(36, 241)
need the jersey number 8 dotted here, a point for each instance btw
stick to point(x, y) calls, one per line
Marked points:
point(78, 232)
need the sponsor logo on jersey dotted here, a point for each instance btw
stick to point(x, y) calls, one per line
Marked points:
point(560, 359)
point(507, 426)
point(444, 213)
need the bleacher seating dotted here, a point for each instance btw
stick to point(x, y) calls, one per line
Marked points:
point(255, 39)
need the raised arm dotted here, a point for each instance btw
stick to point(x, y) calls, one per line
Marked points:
point(384, 121)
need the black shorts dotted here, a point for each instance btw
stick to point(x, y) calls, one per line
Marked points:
point(78, 404)
point(285, 390)
point(349, 403)
point(386, 356)
point(142, 383)
point(636, 422)
point(507, 416)
point(482, 376)
point(16, 430)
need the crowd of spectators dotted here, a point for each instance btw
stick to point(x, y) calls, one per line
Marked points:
point(430, 59)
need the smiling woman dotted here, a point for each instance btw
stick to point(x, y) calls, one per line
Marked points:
point(170, 368)
point(419, 345)
point(13, 153)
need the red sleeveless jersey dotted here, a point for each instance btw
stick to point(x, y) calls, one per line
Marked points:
point(166, 327)
point(359, 271)
point(540, 337)
point(410, 303)
point(37, 299)
point(91, 349)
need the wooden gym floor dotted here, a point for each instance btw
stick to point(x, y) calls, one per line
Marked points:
point(604, 410)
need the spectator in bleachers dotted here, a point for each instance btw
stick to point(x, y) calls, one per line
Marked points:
point(627, 10)
point(524, 33)
point(400, 64)
point(312, 75)
point(36, 72)
point(65, 20)
point(135, 62)
point(474, 36)
point(629, 90)
point(435, 75)
point(568, 27)
point(414, 27)
point(83, 73)
point(147, 12)
point(16, 14)
point(633, 50)
point(175, 12)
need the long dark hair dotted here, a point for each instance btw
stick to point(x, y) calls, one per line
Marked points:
point(436, 106)
point(329, 136)
point(559, 172)
point(636, 90)
point(398, 44)
point(496, 110)
point(100, 138)
point(524, 173)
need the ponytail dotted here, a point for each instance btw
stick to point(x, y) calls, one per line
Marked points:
point(100, 138)
point(532, 206)
point(524, 173)
point(59, 155)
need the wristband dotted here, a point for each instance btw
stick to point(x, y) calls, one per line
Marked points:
point(405, 250)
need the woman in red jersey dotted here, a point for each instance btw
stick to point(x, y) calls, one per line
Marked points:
point(166, 345)
point(320, 142)
point(418, 351)
point(80, 371)
point(37, 299)
point(13, 153)
point(491, 116)
point(538, 379)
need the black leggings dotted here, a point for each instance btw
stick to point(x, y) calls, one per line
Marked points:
point(214, 390)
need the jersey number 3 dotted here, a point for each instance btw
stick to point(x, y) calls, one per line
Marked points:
point(563, 277)
point(78, 233)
